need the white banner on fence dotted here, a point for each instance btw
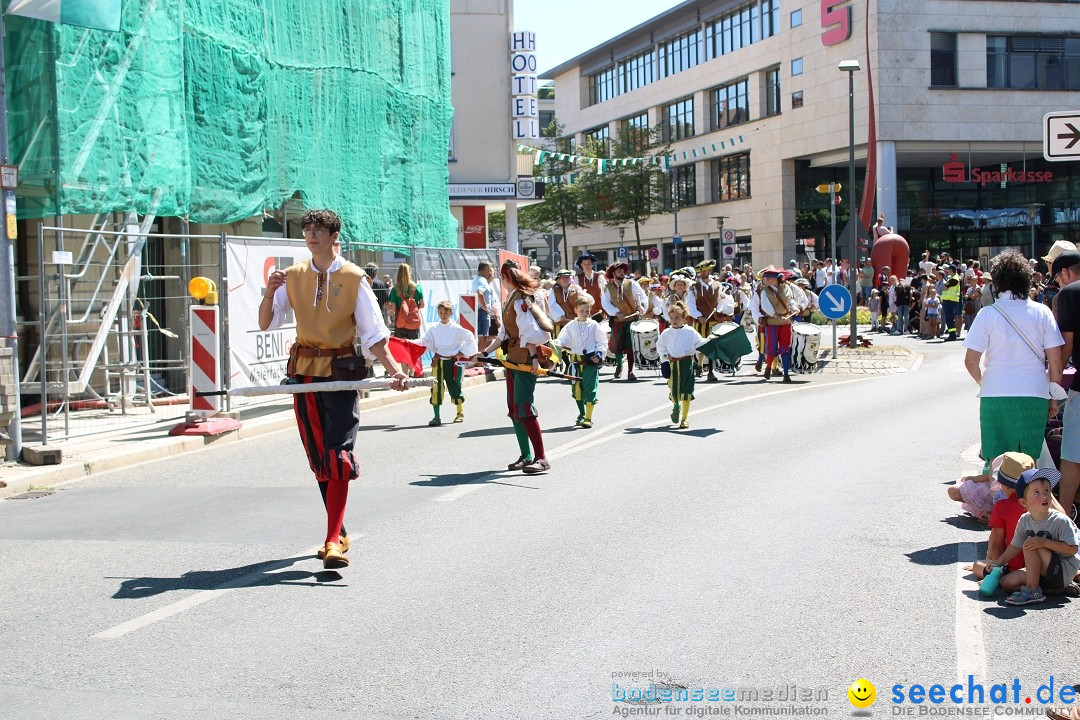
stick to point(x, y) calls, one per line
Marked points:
point(257, 357)
point(260, 358)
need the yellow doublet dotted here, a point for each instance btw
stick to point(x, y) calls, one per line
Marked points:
point(326, 322)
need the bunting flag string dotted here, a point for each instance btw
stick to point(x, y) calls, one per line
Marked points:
point(668, 160)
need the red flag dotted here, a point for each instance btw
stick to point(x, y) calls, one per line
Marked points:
point(408, 353)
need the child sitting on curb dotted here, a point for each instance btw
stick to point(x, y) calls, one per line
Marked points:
point(978, 493)
point(1048, 540)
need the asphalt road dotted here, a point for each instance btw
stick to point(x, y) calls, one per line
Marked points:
point(795, 535)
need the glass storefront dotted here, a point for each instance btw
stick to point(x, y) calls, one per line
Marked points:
point(972, 209)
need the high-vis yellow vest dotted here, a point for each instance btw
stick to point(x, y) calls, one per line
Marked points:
point(952, 294)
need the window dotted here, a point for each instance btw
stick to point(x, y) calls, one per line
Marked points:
point(796, 18)
point(679, 120)
point(638, 71)
point(796, 99)
point(772, 92)
point(731, 104)
point(942, 59)
point(636, 133)
point(796, 67)
point(680, 53)
point(603, 86)
point(1036, 62)
point(770, 18)
point(740, 28)
point(600, 135)
point(731, 177)
point(546, 118)
point(682, 187)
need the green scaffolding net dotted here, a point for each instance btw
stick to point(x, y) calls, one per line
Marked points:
point(223, 109)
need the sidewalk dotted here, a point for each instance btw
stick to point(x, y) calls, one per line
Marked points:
point(90, 455)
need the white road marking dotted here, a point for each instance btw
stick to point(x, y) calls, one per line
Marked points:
point(970, 646)
point(199, 598)
point(459, 491)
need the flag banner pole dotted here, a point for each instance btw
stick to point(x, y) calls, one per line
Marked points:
point(332, 386)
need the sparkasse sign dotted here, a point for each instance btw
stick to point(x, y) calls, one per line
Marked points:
point(955, 171)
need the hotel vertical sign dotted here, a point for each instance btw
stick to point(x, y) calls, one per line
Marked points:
point(523, 104)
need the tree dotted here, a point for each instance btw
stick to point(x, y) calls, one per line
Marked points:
point(562, 199)
point(634, 186)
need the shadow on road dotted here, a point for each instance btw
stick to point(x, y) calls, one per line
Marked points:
point(941, 554)
point(135, 588)
point(697, 432)
point(965, 522)
point(451, 479)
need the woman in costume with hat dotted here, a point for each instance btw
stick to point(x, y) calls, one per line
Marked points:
point(678, 289)
point(561, 299)
point(811, 304)
point(623, 300)
point(523, 340)
point(777, 305)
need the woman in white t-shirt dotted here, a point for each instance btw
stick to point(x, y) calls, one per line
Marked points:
point(1019, 338)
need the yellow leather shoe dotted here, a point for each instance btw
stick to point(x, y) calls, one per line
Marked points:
point(343, 543)
point(333, 557)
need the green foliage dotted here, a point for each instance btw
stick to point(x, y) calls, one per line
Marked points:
point(862, 317)
point(627, 194)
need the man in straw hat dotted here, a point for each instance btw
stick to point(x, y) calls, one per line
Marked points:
point(623, 300)
point(590, 280)
point(706, 302)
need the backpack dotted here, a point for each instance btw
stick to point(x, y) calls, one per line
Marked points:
point(408, 314)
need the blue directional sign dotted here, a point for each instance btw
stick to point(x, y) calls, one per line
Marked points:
point(835, 301)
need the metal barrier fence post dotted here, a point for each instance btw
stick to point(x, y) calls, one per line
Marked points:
point(42, 311)
point(223, 301)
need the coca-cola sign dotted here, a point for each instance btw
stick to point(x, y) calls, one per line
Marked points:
point(474, 226)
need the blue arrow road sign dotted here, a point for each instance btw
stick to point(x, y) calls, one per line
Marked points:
point(835, 301)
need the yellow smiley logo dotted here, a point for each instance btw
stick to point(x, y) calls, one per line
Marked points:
point(862, 693)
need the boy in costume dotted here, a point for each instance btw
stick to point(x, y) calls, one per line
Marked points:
point(450, 342)
point(585, 342)
point(678, 345)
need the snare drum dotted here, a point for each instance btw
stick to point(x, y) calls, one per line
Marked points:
point(805, 343)
point(644, 335)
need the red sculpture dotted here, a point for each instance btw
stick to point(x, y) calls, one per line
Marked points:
point(891, 250)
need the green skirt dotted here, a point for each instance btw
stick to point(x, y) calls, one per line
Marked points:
point(584, 390)
point(1012, 424)
point(681, 382)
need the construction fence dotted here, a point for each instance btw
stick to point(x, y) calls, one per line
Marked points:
point(110, 346)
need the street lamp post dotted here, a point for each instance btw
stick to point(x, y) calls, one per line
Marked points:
point(720, 235)
point(851, 67)
point(1033, 212)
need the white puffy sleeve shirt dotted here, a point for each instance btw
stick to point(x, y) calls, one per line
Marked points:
point(529, 330)
point(581, 338)
point(370, 326)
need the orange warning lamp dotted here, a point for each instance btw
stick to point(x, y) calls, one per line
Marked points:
point(204, 289)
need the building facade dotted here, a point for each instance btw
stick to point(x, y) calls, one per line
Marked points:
point(752, 93)
point(483, 158)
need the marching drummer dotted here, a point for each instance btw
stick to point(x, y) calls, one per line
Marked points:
point(777, 308)
point(623, 300)
point(707, 301)
point(806, 309)
point(585, 342)
point(561, 299)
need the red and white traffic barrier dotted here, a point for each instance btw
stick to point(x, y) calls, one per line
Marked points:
point(467, 315)
point(205, 359)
